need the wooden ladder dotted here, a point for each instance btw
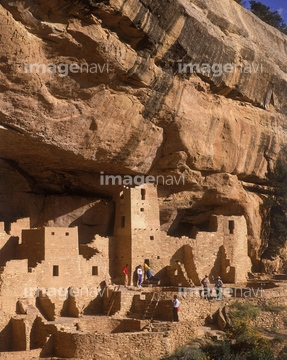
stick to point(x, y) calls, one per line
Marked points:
point(112, 299)
point(153, 304)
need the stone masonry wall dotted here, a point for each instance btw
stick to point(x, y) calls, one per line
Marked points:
point(122, 233)
point(236, 245)
point(118, 346)
point(145, 227)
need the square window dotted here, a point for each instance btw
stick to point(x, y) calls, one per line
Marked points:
point(142, 209)
point(52, 233)
point(95, 270)
point(67, 234)
point(151, 237)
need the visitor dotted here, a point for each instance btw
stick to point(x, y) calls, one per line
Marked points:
point(205, 288)
point(148, 272)
point(219, 284)
point(126, 272)
point(140, 275)
point(176, 304)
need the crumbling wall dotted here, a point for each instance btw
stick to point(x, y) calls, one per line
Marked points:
point(118, 346)
point(14, 283)
point(122, 301)
point(177, 275)
point(10, 234)
point(32, 246)
point(8, 246)
point(223, 251)
point(19, 225)
point(104, 325)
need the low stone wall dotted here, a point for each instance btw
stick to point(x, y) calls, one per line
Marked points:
point(192, 308)
point(131, 346)
point(106, 325)
point(21, 355)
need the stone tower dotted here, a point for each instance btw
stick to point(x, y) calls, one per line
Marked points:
point(137, 227)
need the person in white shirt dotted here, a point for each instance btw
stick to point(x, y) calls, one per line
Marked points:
point(176, 304)
point(140, 275)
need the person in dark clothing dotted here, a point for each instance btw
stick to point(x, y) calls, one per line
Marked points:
point(205, 288)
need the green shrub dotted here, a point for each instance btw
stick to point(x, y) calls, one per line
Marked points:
point(192, 352)
point(220, 350)
point(244, 311)
point(279, 338)
point(273, 308)
point(243, 342)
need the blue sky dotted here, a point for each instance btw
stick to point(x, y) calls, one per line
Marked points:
point(279, 5)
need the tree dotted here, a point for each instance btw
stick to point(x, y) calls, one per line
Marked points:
point(266, 14)
point(240, 2)
point(275, 214)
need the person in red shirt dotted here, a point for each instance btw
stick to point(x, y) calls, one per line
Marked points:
point(126, 272)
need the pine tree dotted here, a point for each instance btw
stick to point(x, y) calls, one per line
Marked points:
point(240, 2)
point(266, 14)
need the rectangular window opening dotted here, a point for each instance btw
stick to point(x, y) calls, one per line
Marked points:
point(142, 209)
point(95, 270)
point(143, 194)
point(122, 195)
point(67, 234)
point(147, 261)
point(151, 237)
point(55, 270)
point(52, 233)
point(123, 221)
point(231, 226)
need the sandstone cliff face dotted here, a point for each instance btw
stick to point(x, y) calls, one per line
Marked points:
point(137, 114)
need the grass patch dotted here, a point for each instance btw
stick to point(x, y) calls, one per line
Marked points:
point(269, 307)
point(279, 338)
point(244, 311)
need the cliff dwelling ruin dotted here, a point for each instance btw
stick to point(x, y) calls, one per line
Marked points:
point(47, 275)
point(145, 111)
